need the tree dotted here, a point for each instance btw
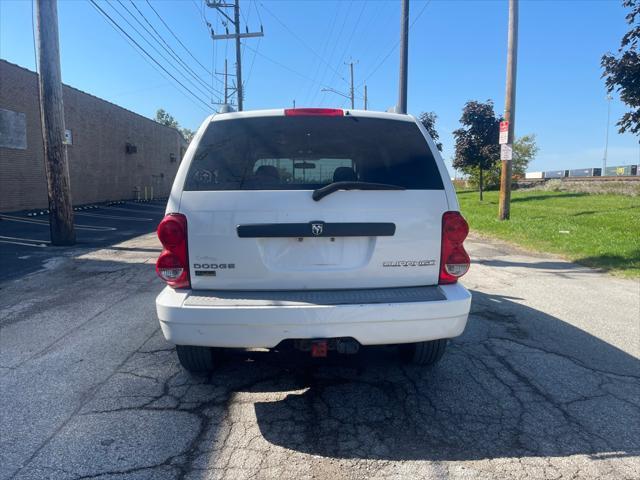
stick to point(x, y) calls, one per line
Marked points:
point(622, 72)
point(428, 119)
point(525, 150)
point(477, 146)
point(187, 134)
point(165, 118)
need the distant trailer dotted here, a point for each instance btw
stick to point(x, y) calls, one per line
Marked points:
point(585, 172)
point(555, 174)
point(534, 175)
point(622, 171)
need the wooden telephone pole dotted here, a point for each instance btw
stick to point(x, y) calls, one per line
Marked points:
point(52, 118)
point(504, 208)
point(220, 5)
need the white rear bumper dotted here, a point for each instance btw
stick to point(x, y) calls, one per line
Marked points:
point(244, 320)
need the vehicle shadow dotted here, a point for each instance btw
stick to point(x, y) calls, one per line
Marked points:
point(518, 383)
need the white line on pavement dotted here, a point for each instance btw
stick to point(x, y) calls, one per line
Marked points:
point(38, 245)
point(45, 222)
point(114, 217)
point(24, 239)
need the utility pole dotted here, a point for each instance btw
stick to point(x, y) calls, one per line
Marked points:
point(504, 208)
point(351, 89)
point(226, 84)
point(404, 57)
point(52, 118)
point(235, 21)
point(606, 140)
point(228, 89)
point(365, 96)
point(239, 93)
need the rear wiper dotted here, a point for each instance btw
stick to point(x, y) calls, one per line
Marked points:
point(320, 193)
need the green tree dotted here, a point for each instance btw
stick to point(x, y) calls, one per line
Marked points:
point(525, 150)
point(187, 134)
point(428, 119)
point(165, 118)
point(622, 71)
point(477, 148)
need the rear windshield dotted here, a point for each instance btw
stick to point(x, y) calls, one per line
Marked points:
point(302, 153)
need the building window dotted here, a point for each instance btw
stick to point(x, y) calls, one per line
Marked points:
point(130, 148)
point(172, 158)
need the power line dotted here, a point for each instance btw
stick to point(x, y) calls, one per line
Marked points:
point(304, 44)
point(338, 37)
point(346, 48)
point(167, 47)
point(282, 65)
point(152, 43)
point(395, 45)
point(115, 25)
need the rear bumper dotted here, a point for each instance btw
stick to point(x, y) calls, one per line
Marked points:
point(243, 320)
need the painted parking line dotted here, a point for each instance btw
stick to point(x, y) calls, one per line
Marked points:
point(114, 217)
point(146, 205)
point(130, 210)
point(12, 242)
point(4, 237)
point(79, 226)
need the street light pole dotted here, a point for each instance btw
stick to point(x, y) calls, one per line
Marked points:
point(351, 91)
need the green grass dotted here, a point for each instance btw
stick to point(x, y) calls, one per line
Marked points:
point(601, 231)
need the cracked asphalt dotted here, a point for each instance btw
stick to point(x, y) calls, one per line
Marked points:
point(544, 383)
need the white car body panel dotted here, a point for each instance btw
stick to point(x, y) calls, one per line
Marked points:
point(282, 264)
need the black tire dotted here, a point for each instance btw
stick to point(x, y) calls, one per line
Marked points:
point(195, 359)
point(424, 353)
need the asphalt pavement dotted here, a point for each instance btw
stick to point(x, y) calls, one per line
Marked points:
point(25, 245)
point(544, 383)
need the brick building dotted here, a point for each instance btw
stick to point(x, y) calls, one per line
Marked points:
point(113, 153)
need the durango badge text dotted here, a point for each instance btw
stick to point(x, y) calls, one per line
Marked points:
point(348, 231)
point(409, 263)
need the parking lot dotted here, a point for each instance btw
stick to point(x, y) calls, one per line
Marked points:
point(544, 383)
point(24, 236)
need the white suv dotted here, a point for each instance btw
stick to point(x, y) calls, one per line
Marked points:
point(324, 229)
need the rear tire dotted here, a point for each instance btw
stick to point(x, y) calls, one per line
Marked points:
point(195, 359)
point(424, 353)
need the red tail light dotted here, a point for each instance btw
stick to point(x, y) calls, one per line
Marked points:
point(313, 112)
point(173, 264)
point(454, 260)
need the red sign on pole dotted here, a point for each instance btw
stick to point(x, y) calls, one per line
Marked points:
point(504, 133)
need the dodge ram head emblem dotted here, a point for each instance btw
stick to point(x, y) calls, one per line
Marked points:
point(317, 229)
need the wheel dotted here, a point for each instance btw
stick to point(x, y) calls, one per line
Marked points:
point(195, 359)
point(424, 353)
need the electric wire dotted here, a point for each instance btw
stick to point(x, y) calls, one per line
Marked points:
point(117, 27)
point(166, 46)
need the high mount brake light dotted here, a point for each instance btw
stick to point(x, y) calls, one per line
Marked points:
point(454, 260)
point(173, 264)
point(313, 112)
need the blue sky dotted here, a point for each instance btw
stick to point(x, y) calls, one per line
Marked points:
point(457, 53)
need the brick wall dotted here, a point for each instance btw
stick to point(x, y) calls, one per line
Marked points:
point(99, 166)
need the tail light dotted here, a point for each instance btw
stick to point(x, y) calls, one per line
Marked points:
point(173, 264)
point(454, 260)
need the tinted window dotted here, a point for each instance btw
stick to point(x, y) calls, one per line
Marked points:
point(302, 153)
